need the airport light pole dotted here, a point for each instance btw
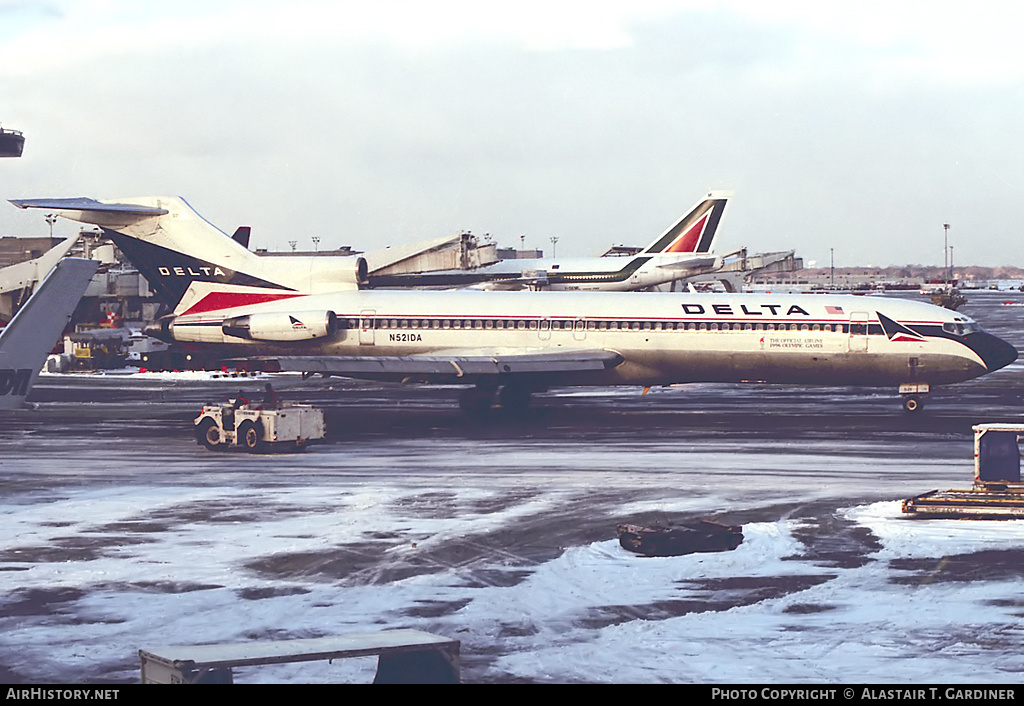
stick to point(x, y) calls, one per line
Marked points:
point(832, 265)
point(316, 243)
point(50, 218)
point(554, 242)
point(945, 249)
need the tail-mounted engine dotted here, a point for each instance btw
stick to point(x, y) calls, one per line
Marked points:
point(302, 326)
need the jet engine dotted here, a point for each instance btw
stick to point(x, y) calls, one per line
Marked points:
point(333, 273)
point(301, 326)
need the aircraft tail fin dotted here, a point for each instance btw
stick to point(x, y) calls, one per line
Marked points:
point(28, 338)
point(167, 240)
point(695, 232)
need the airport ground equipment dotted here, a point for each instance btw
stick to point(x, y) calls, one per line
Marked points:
point(233, 425)
point(403, 657)
point(998, 492)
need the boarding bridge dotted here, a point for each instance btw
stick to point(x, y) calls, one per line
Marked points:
point(457, 252)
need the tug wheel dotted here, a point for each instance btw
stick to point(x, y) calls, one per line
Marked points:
point(912, 404)
point(208, 434)
point(250, 436)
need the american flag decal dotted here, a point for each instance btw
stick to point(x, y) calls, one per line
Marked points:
point(834, 309)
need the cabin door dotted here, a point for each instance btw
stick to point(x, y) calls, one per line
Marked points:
point(858, 332)
point(366, 317)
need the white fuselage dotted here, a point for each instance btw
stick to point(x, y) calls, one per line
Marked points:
point(593, 274)
point(662, 338)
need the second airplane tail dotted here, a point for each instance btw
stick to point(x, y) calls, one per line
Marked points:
point(695, 232)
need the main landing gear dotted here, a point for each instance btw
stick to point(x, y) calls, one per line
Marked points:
point(480, 399)
point(913, 396)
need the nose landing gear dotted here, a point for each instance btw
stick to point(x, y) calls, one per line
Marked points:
point(913, 396)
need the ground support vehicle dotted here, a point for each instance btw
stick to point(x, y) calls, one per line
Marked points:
point(997, 493)
point(234, 425)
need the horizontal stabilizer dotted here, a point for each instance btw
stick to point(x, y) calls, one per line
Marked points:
point(86, 210)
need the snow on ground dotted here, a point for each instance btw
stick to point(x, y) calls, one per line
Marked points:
point(595, 613)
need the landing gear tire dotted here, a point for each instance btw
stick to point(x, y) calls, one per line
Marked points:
point(208, 434)
point(250, 436)
point(476, 400)
point(912, 404)
point(514, 399)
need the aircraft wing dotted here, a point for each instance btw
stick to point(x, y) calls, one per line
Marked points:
point(446, 368)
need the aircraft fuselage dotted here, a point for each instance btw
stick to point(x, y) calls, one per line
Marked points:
point(662, 338)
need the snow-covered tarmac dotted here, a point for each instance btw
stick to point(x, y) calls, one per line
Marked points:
point(118, 532)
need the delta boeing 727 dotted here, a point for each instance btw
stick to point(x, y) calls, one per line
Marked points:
point(511, 344)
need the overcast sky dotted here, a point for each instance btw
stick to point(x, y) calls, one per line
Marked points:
point(378, 123)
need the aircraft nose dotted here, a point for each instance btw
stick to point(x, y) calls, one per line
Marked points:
point(994, 351)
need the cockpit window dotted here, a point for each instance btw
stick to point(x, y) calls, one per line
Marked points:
point(960, 329)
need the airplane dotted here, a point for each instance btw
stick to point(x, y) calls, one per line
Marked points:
point(511, 344)
point(523, 343)
point(685, 249)
point(173, 246)
point(30, 336)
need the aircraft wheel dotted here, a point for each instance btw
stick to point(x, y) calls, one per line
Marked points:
point(912, 404)
point(476, 400)
point(514, 399)
point(208, 434)
point(250, 436)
